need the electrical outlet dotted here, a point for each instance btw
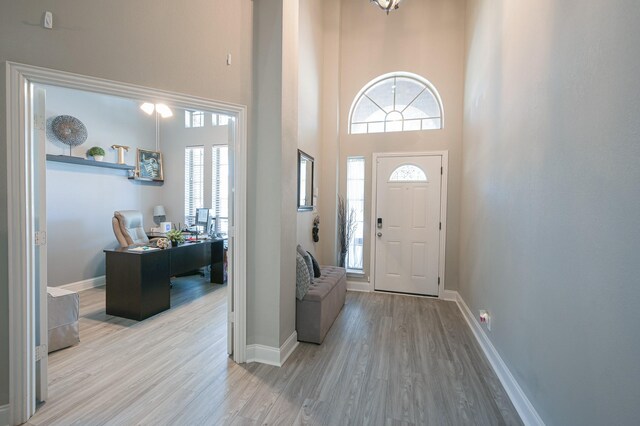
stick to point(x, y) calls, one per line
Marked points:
point(485, 318)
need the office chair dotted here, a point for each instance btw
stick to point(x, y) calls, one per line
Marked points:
point(128, 228)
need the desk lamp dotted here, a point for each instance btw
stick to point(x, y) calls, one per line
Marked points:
point(159, 215)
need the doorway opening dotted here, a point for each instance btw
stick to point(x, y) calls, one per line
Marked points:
point(27, 166)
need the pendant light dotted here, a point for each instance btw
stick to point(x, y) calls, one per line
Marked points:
point(387, 5)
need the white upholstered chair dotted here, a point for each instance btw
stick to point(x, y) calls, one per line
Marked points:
point(128, 228)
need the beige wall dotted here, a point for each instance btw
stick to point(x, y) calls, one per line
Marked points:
point(425, 38)
point(550, 230)
point(177, 46)
point(310, 105)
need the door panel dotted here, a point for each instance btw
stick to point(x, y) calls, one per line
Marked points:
point(407, 246)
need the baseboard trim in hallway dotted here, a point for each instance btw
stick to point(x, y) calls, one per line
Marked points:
point(270, 355)
point(525, 409)
point(4, 415)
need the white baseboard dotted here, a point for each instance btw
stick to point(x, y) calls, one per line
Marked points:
point(450, 295)
point(85, 284)
point(4, 415)
point(525, 409)
point(270, 355)
point(358, 286)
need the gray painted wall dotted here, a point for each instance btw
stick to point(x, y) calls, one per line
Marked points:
point(550, 223)
point(81, 199)
point(272, 169)
point(143, 42)
point(310, 51)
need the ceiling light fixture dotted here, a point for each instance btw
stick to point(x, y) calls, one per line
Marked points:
point(387, 5)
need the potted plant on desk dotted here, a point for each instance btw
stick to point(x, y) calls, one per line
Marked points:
point(175, 236)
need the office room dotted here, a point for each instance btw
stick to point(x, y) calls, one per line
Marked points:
point(94, 145)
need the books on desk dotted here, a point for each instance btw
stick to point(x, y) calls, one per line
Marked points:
point(143, 249)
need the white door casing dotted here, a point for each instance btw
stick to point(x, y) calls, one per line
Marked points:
point(38, 120)
point(23, 173)
point(407, 224)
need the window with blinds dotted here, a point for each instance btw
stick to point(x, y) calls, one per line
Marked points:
point(220, 187)
point(193, 182)
point(355, 201)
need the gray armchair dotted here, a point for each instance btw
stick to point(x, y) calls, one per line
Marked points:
point(127, 225)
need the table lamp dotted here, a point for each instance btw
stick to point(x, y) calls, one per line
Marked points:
point(159, 214)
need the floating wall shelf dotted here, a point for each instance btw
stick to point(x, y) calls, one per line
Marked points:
point(84, 162)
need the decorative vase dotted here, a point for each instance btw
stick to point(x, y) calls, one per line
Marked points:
point(174, 243)
point(98, 157)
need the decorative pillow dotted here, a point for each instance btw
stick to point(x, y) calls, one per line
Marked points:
point(303, 279)
point(307, 258)
point(316, 267)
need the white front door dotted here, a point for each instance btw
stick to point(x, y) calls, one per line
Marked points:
point(407, 224)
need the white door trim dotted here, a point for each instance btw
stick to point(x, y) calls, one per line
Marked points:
point(443, 211)
point(20, 180)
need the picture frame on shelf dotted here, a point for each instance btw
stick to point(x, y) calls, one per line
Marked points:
point(149, 165)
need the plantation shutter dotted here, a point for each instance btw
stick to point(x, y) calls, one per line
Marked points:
point(193, 182)
point(220, 186)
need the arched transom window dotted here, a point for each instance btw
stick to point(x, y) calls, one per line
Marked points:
point(397, 102)
point(408, 173)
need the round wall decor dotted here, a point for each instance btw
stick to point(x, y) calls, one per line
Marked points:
point(69, 130)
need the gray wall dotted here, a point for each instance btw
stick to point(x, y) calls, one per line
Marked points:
point(165, 45)
point(81, 199)
point(310, 51)
point(272, 168)
point(550, 224)
point(423, 37)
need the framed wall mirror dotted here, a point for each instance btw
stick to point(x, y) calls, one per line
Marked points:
point(305, 181)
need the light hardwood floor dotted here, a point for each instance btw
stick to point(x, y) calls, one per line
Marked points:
point(387, 360)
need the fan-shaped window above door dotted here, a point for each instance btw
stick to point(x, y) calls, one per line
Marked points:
point(396, 102)
point(408, 173)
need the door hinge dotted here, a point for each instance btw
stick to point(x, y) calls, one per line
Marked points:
point(440, 226)
point(41, 352)
point(441, 170)
point(41, 238)
point(438, 280)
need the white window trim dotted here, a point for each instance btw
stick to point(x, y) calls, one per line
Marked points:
point(376, 80)
point(20, 174)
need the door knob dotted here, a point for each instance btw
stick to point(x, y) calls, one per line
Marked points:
point(379, 234)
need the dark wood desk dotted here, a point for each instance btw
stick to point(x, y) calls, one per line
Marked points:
point(138, 283)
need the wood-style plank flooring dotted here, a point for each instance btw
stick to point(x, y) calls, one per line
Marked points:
point(387, 360)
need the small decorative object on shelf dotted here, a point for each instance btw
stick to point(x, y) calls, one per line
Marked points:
point(121, 149)
point(68, 130)
point(163, 243)
point(175, 236)
point(96, 152)
point(316, 228)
